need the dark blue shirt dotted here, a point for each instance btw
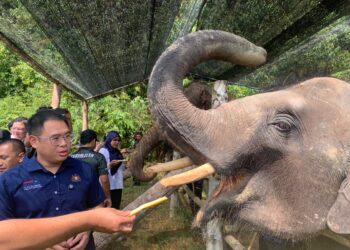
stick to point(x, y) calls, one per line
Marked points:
point(30, 191)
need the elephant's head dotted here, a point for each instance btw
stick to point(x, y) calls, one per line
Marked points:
point(282, 155)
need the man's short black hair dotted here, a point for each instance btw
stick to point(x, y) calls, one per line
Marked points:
point(4, 135)
point(42, 108)
point(18, 145)
point(36, 122)
point(87, 136)
point(61, 111)
point(18, 119)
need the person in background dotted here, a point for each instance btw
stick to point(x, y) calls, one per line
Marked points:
point(12, 152)
point(4, 135)
point(43, 233)
point(88, 140)
point(18, 128)
point(113, 156)
point(50, 183)
point(137, 138)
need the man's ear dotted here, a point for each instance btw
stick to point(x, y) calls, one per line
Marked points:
point(20, 157)
point(338, 218)
point(33, 140)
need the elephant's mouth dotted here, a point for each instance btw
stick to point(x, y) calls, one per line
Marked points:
point(227, 199)
point(228, 196)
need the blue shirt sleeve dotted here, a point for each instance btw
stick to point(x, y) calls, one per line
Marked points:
point(95, 194)
point(6, 202)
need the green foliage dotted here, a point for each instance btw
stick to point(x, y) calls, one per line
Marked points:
point(120, 112)
point(240, 91)
point(15, 76)
point(23, 91)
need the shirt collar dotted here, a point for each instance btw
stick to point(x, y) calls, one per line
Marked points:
point(86, 148)
point(33, 165)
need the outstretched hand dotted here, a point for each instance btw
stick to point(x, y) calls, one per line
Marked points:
point(110, 220)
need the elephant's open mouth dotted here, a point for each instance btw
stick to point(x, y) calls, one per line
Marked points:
point(227, 199)
point(227, 183)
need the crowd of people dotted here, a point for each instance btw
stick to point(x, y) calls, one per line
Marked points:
point(41, 178)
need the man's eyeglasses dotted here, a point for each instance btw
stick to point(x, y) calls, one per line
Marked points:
point(56, 139)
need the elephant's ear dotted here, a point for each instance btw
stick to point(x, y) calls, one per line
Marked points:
point(338, 218)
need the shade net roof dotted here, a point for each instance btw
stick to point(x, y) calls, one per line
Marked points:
point(94, 47)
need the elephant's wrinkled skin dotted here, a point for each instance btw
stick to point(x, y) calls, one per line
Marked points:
point(199, 94)
point(282, 155)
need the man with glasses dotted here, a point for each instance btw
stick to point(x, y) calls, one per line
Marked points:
point(50, 183)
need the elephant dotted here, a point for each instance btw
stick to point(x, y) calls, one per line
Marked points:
point(283, 156)
point(199, 94)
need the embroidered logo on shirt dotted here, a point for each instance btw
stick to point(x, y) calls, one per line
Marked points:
point(75, 178)
point(31, 184)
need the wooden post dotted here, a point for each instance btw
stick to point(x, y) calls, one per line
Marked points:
point(174, 198)
point(56, 95)
point(214, 239)
point(85, 115)
point(219, 96)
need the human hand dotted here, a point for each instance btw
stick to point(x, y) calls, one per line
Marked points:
point(107, 202)
point(114, 163)
point(110, 220)
point(80, 241)
point(61, 246)
point(124, 150)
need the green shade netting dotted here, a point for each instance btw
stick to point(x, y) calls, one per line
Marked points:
point(95, 47)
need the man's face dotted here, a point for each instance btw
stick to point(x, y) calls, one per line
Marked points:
point(18, 131)
point(138, 137)
point(8, 157)
point(53, 144)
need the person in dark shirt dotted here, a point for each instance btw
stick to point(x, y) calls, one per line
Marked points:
point(88, 139)
point(50, 183)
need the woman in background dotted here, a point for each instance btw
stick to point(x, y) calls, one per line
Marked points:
point(113, 155)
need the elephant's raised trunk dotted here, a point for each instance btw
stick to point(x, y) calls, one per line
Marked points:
point(184, 124)
point(199, 94)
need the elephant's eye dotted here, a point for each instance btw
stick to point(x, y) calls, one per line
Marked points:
point(284, 122)
point(283, 126)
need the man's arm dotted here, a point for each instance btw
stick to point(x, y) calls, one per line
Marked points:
point(104, 180)
point(106, 189)
point(38, 233)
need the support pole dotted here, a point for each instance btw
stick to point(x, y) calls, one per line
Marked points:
point(85, 115)
point(174, 198)
point(56, 95)
point(214, 238)
point(219, 96)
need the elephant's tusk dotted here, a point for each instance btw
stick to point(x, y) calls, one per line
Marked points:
point(171, 165)
point(189, 176)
